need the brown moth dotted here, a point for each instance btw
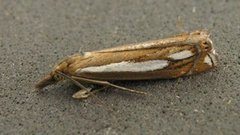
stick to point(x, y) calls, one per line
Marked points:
point(181, 55)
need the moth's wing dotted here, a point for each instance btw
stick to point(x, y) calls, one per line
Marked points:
point(144, 45)
point(184, 38)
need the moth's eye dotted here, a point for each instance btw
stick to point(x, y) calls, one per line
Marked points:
point(58, 77)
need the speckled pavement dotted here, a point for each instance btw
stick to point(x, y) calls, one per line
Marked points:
point(35, 35)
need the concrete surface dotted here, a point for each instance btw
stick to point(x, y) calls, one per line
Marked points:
point(34, 35)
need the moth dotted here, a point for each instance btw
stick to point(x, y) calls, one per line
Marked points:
point(181, 55)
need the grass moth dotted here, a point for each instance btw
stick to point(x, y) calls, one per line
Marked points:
point(173, 57)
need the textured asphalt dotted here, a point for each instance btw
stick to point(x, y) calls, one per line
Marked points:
point(35, 35)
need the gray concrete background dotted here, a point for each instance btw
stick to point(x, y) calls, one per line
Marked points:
point(34, 35)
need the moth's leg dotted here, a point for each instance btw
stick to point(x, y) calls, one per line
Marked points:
point(82, 94)
point(85, 93)
point(74, 81)
point(106, 83)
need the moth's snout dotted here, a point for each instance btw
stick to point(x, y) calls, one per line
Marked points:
point(52, 77)
point(47, 80)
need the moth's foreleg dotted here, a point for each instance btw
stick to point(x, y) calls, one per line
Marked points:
point(74, 81)
point(85, 93)
point(82, 94)
point(106, 83)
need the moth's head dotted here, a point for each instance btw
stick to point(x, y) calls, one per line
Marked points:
point(58, 72)
point(53, 77)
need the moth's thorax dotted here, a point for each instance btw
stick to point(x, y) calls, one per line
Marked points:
point(66, 65)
